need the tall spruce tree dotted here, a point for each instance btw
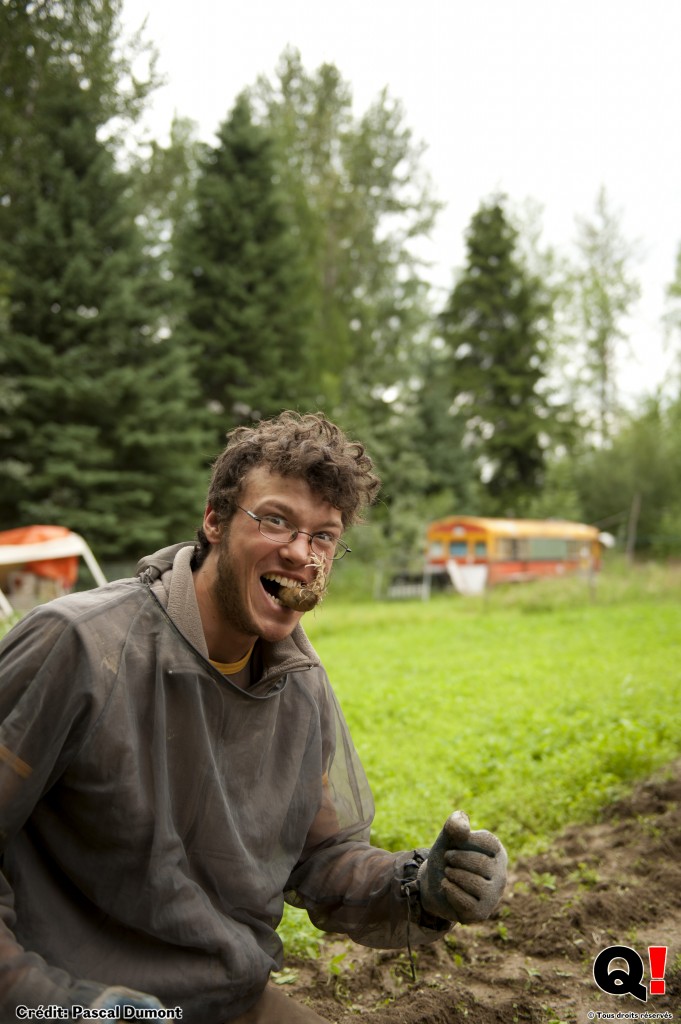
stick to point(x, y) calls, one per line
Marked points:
point(248, 309)
point(360, 198)
point(439, 435)
point(103, 436)
point(494, 327)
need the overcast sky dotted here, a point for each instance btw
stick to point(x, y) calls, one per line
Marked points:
point(542, 99)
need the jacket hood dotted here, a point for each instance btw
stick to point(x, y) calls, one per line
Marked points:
point(160, 561)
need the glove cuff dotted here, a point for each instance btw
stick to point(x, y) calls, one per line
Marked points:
point(413, 873)
point(410, 885)
point(422, 883)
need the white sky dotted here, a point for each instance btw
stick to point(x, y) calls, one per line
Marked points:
point(543, 99)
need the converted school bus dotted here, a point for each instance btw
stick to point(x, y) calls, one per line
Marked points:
point(474, 553)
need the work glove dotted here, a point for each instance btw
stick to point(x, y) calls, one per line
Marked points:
point(464, 875)
point(118, 996)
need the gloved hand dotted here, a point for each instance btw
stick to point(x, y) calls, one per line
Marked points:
point(464, 876)
point(119, 996)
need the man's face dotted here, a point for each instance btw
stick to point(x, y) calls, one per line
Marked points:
point(244, 597)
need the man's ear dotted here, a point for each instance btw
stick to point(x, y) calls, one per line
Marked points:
point(212, 526)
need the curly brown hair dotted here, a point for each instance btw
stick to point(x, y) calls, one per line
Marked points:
point(308, 446)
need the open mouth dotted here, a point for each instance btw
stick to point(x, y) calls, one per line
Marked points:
point(289, 593)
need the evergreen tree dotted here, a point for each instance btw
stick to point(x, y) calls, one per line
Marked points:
point(440, 436)
point(103, 437)
point(494, 327)
point(248, 310)
point(359, 199)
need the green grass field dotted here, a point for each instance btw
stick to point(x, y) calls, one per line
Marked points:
point(529, 708)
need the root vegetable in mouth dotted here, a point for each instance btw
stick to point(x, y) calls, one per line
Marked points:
point(304, 597)
point(301, 599)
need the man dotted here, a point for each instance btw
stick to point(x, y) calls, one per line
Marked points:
point(174, 764)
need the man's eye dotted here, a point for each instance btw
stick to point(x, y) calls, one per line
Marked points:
point(326, 538)
point(278, 522)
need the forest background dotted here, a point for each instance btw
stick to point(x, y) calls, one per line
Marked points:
point(153, 295)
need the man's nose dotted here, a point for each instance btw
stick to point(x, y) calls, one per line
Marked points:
point(298, 550)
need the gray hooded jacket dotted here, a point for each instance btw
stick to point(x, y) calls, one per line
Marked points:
point(153, 816)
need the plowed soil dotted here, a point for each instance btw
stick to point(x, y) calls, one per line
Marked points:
point(614, 883)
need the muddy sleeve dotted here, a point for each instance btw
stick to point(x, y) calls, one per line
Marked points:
point(42, 720)
point(345, 884)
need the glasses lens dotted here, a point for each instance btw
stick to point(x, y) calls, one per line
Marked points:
point(327, 548)
point(331, 549)
point(275, 528)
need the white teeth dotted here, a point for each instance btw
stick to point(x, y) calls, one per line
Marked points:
point(284, 581)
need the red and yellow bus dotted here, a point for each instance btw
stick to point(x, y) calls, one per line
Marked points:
point(475, 552)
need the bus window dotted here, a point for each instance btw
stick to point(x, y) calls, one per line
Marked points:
point(458, 549)
point(481, 549)
point(437, 549)
point(504, 548)
point(548, 548)
point(521, 549)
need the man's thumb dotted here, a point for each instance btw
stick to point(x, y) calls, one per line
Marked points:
point(457, 830)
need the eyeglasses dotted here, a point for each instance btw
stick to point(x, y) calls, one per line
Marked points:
point(279, 530)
